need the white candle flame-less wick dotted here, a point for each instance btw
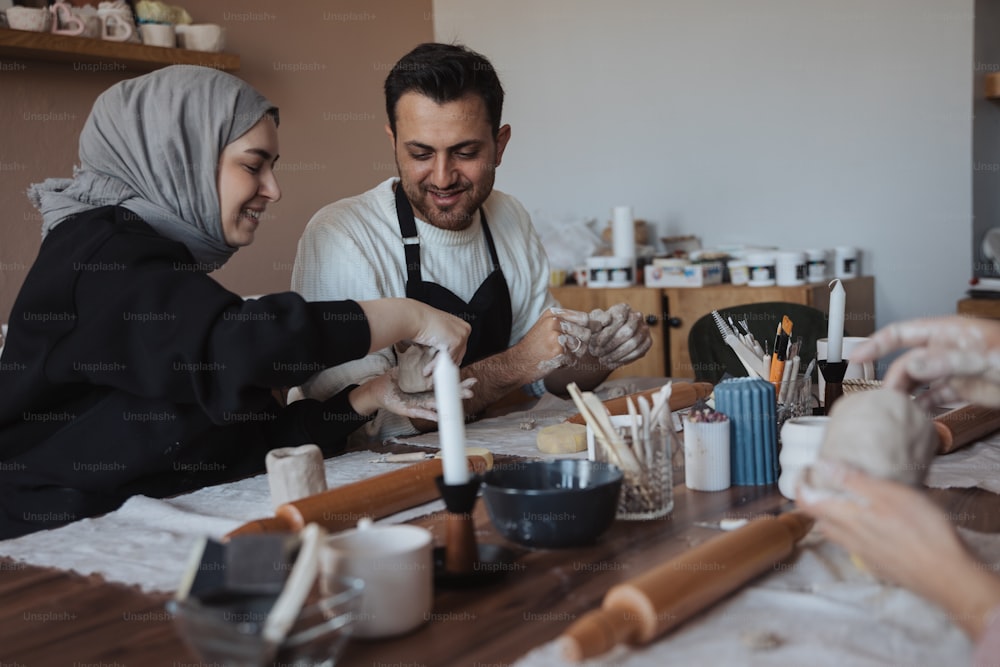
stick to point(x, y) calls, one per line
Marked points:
point(451, 420)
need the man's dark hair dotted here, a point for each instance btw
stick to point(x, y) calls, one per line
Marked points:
point(444, 73)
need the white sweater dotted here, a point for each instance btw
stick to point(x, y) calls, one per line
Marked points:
point(352, 249)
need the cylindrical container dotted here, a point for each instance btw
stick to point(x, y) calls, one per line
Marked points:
point(846, 262)
point(650, 493)
point(623, 231)
point(294, 472)
point(706, 455)
point(739, 272)
point(816, 265)
point(760, 266)
point(790, 268)
point(801, 438)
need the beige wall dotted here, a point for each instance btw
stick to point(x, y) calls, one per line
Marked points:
point(322, 62)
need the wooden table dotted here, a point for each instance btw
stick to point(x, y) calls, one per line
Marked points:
point(49, 617)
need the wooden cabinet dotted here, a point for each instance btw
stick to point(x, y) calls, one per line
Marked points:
point(988, 308)
point(673, 310)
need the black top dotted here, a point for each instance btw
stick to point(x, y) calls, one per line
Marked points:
point(128, 370)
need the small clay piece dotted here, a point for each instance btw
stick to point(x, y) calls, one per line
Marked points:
point(761, 640)
point(412, 362)
point(486, 454)
point(562, 438)
point(295, 472)
point(882, 432)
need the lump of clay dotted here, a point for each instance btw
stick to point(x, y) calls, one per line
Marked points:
point(412, 362)
point(881, 432)
point(562, 438)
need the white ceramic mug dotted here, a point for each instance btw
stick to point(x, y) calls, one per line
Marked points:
point(396, 563)
point(855, 371)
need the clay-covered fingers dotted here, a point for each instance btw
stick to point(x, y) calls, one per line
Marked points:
point(575, 327)
point(420, 405)
point(950, 332)
point(443, 331)
point(969, 374)
point(625, 338)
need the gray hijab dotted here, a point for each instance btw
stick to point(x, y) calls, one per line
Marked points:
point(152, 144)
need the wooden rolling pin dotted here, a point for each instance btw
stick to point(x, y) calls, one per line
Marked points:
point(375, 497)
point(682, 395)
point(644, 607)
point(965, 425)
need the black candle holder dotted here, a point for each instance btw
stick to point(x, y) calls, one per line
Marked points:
point(833, 376)
point(461, 562)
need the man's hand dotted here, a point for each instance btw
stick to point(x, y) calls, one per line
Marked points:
point(557, 339)
point(620, 335)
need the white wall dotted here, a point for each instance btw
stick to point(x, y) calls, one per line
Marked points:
point(781, 122)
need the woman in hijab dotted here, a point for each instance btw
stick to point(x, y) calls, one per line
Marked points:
point(127, 369)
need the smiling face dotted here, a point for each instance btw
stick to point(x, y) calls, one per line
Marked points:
point(447, 156)
point(246, 181)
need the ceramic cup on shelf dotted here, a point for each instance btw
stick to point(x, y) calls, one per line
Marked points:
point(158, 34)
point(34, 19)
point(201, 37)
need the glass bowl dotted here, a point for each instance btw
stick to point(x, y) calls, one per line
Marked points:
point(229, 636)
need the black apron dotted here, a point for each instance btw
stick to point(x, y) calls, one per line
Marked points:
point(489, 313)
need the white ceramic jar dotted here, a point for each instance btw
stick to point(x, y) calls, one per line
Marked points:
point(801, 438)
point(760, 266)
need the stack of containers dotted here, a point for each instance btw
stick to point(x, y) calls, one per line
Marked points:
point(750, 405)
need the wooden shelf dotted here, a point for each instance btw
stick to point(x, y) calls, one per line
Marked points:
point(22, 44)
point(992, 85)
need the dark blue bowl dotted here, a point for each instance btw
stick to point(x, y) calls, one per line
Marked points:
point(563, 503)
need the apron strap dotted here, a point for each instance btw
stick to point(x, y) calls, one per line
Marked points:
point(411, 242)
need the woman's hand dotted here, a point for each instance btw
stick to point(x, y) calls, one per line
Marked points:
point(903, 537)
point(440, 330)
point(383, 393)
point(394, 320)
point(959, 357)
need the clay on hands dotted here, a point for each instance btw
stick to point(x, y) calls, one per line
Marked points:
point(620, 335)
point(413, 364)
point(420, 405)
point(881, 432)
point(958, 357)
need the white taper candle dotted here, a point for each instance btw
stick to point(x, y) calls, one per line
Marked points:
point(451, 420)
point(835, 329)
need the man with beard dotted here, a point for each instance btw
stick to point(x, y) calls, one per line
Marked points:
point(441, 234)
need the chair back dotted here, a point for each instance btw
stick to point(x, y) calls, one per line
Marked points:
point(712, 358)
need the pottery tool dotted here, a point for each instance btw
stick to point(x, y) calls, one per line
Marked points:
point(599, 421)
point(683, 395)
point(963, 426)
point(744, 353)
point(641, 609)
point(780, 352)
point(376, 497)
point(289, 603)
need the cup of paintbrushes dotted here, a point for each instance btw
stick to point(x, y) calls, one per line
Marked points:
point(644, 455)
